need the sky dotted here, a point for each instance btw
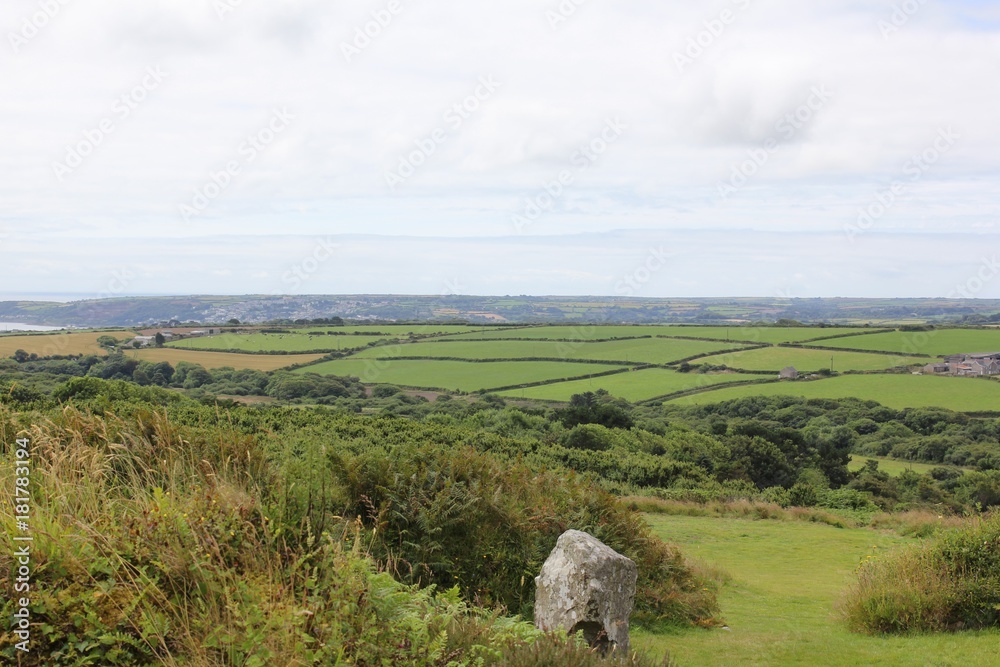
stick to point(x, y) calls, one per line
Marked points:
point(544, 147)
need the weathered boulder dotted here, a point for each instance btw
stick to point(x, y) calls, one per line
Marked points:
point(586, 585)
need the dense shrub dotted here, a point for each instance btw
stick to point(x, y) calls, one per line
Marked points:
point(951, 583)
point(161, 547)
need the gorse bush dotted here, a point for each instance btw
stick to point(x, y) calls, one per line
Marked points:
point(950, 583)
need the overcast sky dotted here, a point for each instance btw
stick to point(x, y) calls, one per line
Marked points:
point(643, 148)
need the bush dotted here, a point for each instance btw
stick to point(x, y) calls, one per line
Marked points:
point(952, 583)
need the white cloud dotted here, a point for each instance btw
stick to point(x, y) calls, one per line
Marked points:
point(353, 120)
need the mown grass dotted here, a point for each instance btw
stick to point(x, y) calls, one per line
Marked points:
point(454, 375)
point(642, 350)
point(937, 343)
point(258, 362)
point(808, 360)
point(632, 386)
point(60, 343)
point(894, 391)
point(780, 604)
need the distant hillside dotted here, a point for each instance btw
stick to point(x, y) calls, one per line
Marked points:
point(135, 311)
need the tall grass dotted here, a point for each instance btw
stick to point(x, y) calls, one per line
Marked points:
point(949, 583)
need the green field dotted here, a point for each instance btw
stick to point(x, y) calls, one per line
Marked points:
point(894, 467)
point(936, 343)
point(734, 333)
point(641, 350)
point(780, 605)
point(634, 386)
point(392, 330)
point(291, 342)
point(454, 375)
point(257, 362)
point(776, 358)
point(894, 391)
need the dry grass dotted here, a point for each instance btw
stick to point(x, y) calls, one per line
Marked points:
point(62, 343)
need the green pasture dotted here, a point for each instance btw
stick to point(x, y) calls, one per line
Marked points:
point(737, 334)
point(290, 342)
point(454, 375)
point(780, 605)
point(632, 386)
point(936, 343)
point(805, 360)
point(894, 391)
point(392, 330)
point(640, 350)
point(894, 467)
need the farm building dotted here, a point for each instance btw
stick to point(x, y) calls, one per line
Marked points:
point(788, 373)
point(970, 365)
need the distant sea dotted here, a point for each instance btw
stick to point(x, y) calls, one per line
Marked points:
point(11, 326)
point(44, 296)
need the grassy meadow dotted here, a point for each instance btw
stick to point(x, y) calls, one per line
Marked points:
point(257, 362)
point(936, 343)
point(640, 350)
point(780, 606)
point(894, 467)
point(455, 375)
point(638, 385)
point(744, 334)
point(808, 360)
point(290, 342)
point(894, 391)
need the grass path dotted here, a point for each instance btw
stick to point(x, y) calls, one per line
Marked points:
point(787, 577)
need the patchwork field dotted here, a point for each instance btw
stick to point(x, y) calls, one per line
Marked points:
point(292, 342)
point(61, 343)
point(936, 343)
point(640, 350)
point(455, 375)
point(259, 362)
point(638, 385)
point(780, 604)
point(738, 334)
point(894, 391)
point(776, 358)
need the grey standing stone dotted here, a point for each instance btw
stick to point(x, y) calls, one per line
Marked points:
point(585, 585)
